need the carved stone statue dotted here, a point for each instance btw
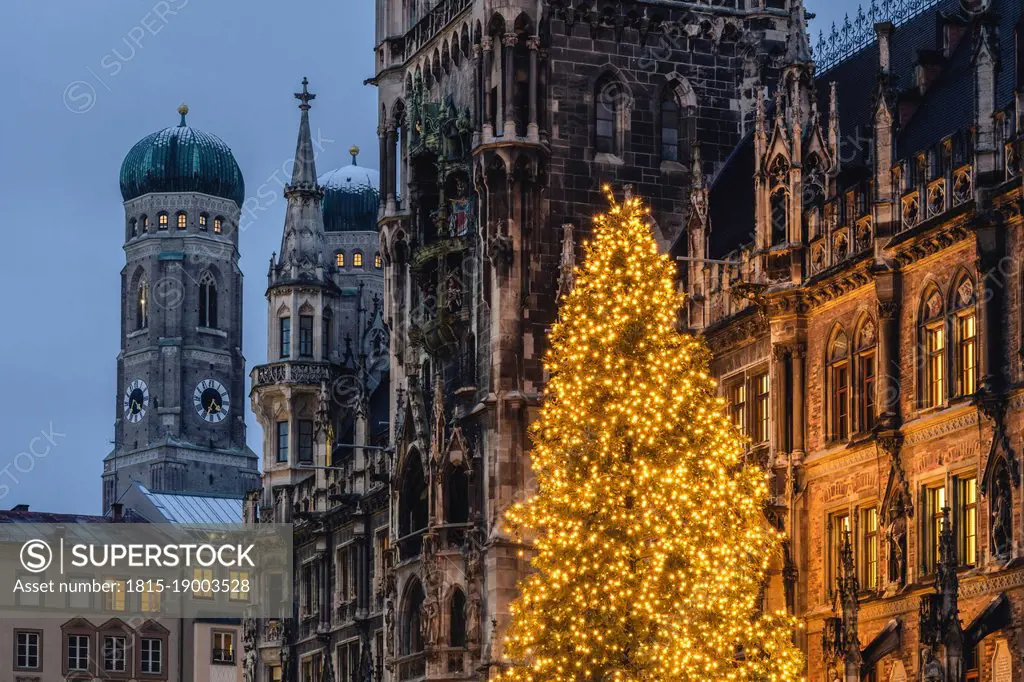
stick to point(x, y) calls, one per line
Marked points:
point(389, 627)
point(1001, 521)
point(249, 644)
point(896, 534)
point(431, 622)
point(931, 668)
point(473, 617)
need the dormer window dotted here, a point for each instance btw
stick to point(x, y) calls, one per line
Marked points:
point(182, 220)
point(161, 220)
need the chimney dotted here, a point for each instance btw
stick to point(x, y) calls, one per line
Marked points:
point(19, 508)
point(116, 512)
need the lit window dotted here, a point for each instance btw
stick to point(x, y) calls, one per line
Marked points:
point(207, 301)
point(239, 585)
point(142, 305)
point(286, 336)
point(78, 652)
point(339, 259)
point(114, 659)
point(838, 534)
point(378, 262)
point(967, 520)
point(869, 548)
point(149, 598)
point(161, 221)
point(202, 221)
point(866, 411)
point(935, 499)
point(357, 259)
point(282, 441)
point(218, 225)
point(223, 647)
point(305, 336)
point(151, 655)
point(933, 340)
point(114, 600)
point(839, 388)
point(305, 441)
point(761, 413)
point(202, 583)
point(738, 405)
point(311, 668)
point(27, 645)
point(182, 221)
point(275, 674)
point(967, 353)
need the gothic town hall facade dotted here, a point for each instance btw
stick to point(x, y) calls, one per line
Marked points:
point(848, 226)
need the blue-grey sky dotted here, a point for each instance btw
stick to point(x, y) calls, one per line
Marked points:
point(85, 81)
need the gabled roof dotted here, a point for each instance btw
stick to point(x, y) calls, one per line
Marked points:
point(177, 508)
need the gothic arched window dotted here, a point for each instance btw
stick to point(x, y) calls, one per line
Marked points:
point(932, 333)
point(839, 386)
point(207, 301)
point(411, 634)
point(412, 501)
point(866, 342)
point(161, 220)
point(357, 259)
point(965, 330)
point(457, 619)
point(182, 220)
point(145, 222)
point(142, 305)
point(779, 216)
point(456, 496)
point(203, 218)
point(218, 225)
point(608, 116)
point(670, 119)
point(339, 259)
point(133, 227)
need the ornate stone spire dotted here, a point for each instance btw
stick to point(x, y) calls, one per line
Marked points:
point(302, 245)
point(798, 45)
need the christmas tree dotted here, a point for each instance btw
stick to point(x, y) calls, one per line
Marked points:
point(650, 544)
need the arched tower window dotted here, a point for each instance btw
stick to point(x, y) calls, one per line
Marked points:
point(457, 619)
point(161, 220)
point(145, 222)
point(965, 328)
point(133, 227)
point(339, 259)
point(456, 496)
point(608, 115)
point(182, 220)
point(378, 262)
point(203, 218)
point(207, 301)
point(218, 225)
point(412, 501)
point(670, 124)
point(357, 259)
point(326, 323)
point(142, 305)
point(839, 386)
point(932, 333)
point(411, 634)
point(866, 342)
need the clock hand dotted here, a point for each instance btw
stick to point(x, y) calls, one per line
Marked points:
point(214, 407)
point(136, 407)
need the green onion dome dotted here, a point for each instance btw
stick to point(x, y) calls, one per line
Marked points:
point(182, 159)
point(351, 197)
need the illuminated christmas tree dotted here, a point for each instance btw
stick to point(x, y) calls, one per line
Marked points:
point(651, 544)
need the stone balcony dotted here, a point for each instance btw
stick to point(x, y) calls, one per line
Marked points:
point(289, 372)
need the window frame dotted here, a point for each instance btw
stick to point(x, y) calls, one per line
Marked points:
point(16, 659)
point(227, 636)
point(965, 506)
point(736, 396)
point(935, 499)
point(282, 447)
point(143, 662)
point(79, 656)
point(208, 301)
point(117, 599)
point(868, 551)
point(609, 129)
point(181, 220)
point(199, 574)
point(761, 431)
point(838, 378)
point(113, 639)
point(306, 324)
point(306, 441)
point(357, 259)
point(966, 356)
point(339, 259)
point(163, 220)
point(218, 225)
point(203, 219)
point(284, 325)
point(142, 304)
point(835, 545)
point(670, 151)
point(866, 379)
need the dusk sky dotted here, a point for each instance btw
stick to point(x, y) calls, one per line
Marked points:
point(85, 81)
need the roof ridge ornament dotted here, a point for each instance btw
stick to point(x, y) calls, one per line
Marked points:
point(305, 96)
point(183, 110)
point(854, 35)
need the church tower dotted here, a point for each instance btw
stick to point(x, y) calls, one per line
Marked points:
point(179, 416)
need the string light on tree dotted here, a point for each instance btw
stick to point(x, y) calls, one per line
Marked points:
point(650, 542)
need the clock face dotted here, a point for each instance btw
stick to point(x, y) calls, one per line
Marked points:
point(211, 400)
point(136, 401)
